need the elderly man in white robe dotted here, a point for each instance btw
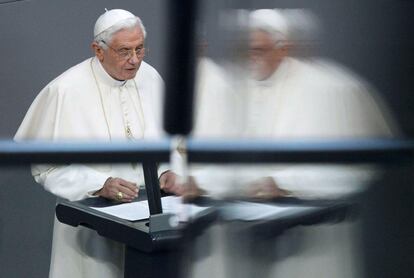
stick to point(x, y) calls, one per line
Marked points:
point(113, 96)
point(289, 98)
point(285, 98)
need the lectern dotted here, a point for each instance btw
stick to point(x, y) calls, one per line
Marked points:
point(153, 247)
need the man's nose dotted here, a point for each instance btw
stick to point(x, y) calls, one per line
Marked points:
point(134, 59)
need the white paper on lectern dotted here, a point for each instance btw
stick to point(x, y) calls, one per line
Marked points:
point(139, 210)
point(245, 211)
point(250, 211)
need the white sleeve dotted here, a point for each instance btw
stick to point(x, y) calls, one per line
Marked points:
point(325, 181)
point(307, 181)
point(72, 182)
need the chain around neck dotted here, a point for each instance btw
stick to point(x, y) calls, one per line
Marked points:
point(127, 128)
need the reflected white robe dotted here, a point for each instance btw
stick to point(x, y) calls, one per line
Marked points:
point(301, 100)
point(215, 102)
point(71, 107)
point(314, 100)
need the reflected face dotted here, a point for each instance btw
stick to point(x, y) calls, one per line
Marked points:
point(264, 55)
point(124, 54)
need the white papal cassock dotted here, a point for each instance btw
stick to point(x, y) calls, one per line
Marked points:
point(85, 103)
point(303, 99)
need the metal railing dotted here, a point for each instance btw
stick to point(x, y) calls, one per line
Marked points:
point(210, 151)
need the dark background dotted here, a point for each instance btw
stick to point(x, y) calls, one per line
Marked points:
point(39, 39)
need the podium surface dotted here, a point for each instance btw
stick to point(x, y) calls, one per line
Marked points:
point(159, 252)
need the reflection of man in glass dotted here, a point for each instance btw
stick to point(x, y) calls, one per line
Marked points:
point(303, 98)
point(112, 96)
point(290, 98)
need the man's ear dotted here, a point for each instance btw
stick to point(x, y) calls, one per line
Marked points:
point(286, 48)
point(97, 49)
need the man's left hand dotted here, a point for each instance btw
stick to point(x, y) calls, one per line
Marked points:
point(170, 183)
point(266, 188)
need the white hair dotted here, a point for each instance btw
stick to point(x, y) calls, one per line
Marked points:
point(271, 21)
point(129, 23)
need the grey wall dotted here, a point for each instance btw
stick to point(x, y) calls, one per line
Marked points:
point(41, 38)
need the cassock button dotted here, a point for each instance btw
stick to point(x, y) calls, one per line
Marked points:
point(128, 131)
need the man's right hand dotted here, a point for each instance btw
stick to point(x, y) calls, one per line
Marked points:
point(115, 188)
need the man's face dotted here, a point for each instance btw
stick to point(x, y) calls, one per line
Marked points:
point(264, 55)
point(120, 59)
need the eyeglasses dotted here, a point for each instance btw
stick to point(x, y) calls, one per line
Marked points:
point(126, 54)
point(260, 51)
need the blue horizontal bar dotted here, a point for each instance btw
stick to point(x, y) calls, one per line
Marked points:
point(214, 151)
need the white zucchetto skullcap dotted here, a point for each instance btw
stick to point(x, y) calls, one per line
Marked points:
point(271, 21)
point(109, 19)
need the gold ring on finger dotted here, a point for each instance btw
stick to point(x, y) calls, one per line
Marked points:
point(119, 196)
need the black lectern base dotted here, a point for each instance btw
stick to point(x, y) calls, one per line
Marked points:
point(165, 264)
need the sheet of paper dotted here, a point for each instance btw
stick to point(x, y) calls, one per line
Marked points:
point(246, 211)
point(249, 211)
point(139, 210)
